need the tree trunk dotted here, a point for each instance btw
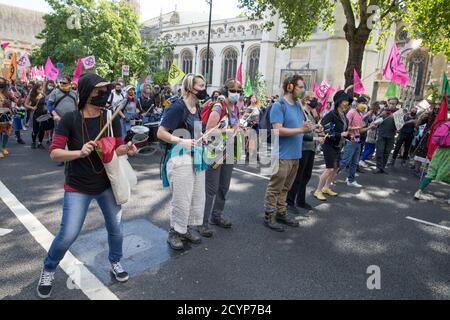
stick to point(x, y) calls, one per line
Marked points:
point(356, 46)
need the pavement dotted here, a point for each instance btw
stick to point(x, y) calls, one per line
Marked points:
point(327, 257)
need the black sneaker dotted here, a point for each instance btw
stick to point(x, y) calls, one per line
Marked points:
point(33, 145)
point(221, 222)
point(175, 241)
point(205, 231)
point(379, 171)
point(191, 236)
point(118, 272)
point(286, 219)
point(20, 141)
point(40, 146)
point(271, 223)
point(305, 206)
point(45, 285)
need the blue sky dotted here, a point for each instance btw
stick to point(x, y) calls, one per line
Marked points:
point(221, 8)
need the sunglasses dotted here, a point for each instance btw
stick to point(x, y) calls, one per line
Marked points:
point(235, 91)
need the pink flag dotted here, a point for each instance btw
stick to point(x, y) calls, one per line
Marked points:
point(51, 72)
point(239, 74)
point(323, 92)
point(357, 83)
point(23, 75)
point(315, 88)
point(23, 62)
point(33, 73)
point(88, 62)
point(395, 69)
point(78, 70)
point(4, 45)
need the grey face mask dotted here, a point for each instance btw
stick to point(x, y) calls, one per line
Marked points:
point(234, 97)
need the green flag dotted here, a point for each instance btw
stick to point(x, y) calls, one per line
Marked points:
point(445, 86)
point(248, 88)
point(391, 90)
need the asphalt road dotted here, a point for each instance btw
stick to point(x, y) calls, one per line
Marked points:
point(326, 258)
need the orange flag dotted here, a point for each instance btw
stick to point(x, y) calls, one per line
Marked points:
point(12, 70)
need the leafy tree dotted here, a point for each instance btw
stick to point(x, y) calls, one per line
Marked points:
point(78, 28)
point(362, 16)
point(430, 20)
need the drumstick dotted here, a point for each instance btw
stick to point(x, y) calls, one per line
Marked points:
point(209, 132)
point(109, 123)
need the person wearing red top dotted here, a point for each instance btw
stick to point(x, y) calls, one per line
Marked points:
point(86, 178)
point(352, 148)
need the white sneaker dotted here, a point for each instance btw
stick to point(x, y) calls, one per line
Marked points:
point(363, 164)
point(418, 195)
point(354, 184)
point(118, 272)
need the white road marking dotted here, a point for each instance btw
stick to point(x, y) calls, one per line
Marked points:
point(4, 232)
point(429, 223)
point(92, 287)
point(252, 174)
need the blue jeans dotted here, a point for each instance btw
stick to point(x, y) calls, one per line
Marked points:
point(4, 137)
point(369, 148)
point(352, 152)
point(74, 213)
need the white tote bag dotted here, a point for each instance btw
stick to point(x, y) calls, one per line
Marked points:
point(120, 173)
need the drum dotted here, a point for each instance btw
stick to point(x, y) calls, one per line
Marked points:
point(153, 128)
point(5, 116)
point(140, 130)
point(140, 140)
point(139, 122)
point(46, 122)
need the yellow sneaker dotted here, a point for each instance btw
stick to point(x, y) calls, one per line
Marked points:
point(319, 196)
point(5, 152)
point(329, 192)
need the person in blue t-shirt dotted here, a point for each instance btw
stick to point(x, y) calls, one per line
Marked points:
point(287, 117)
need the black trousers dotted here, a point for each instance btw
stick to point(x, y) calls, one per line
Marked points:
point(384, 148)
point(297, 194)
point(38, 131)
point(406, 140)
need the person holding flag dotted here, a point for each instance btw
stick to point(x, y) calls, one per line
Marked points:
point(438, 151)
point(6, 100)
point(86, 179)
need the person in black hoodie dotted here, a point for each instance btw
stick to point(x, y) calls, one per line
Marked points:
point(335, 124)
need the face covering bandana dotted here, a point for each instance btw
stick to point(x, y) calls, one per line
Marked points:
point(299, 95)
point(65, 87)
point(233, 97)
point(100, 99)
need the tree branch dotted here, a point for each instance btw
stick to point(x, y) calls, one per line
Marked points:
point(348, 11)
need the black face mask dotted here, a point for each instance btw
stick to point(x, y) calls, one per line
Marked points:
point(118, 90)
point(2, 85)
point(413, 114)
point(313, 103)
point(101, 99)
point(201, 95)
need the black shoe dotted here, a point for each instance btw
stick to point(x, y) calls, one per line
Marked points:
point(271, 223)
point(191, 236)
point(205, 231)
point(118, 272)
point(174, 240)
point(293, 210)
point(33, 145)
point(20, 141)
point(284, 218)
point(40, 146)
point(306, 206)
point(221, 222)
point(379, 171)
point(359, 170)
point(45, 285)
point(61, 164)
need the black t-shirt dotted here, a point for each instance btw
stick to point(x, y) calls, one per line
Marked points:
point(178, 116)
point(146, 103)
point(408, 128)
point(85, 175)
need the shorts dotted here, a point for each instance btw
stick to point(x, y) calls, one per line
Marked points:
point(332, 156)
